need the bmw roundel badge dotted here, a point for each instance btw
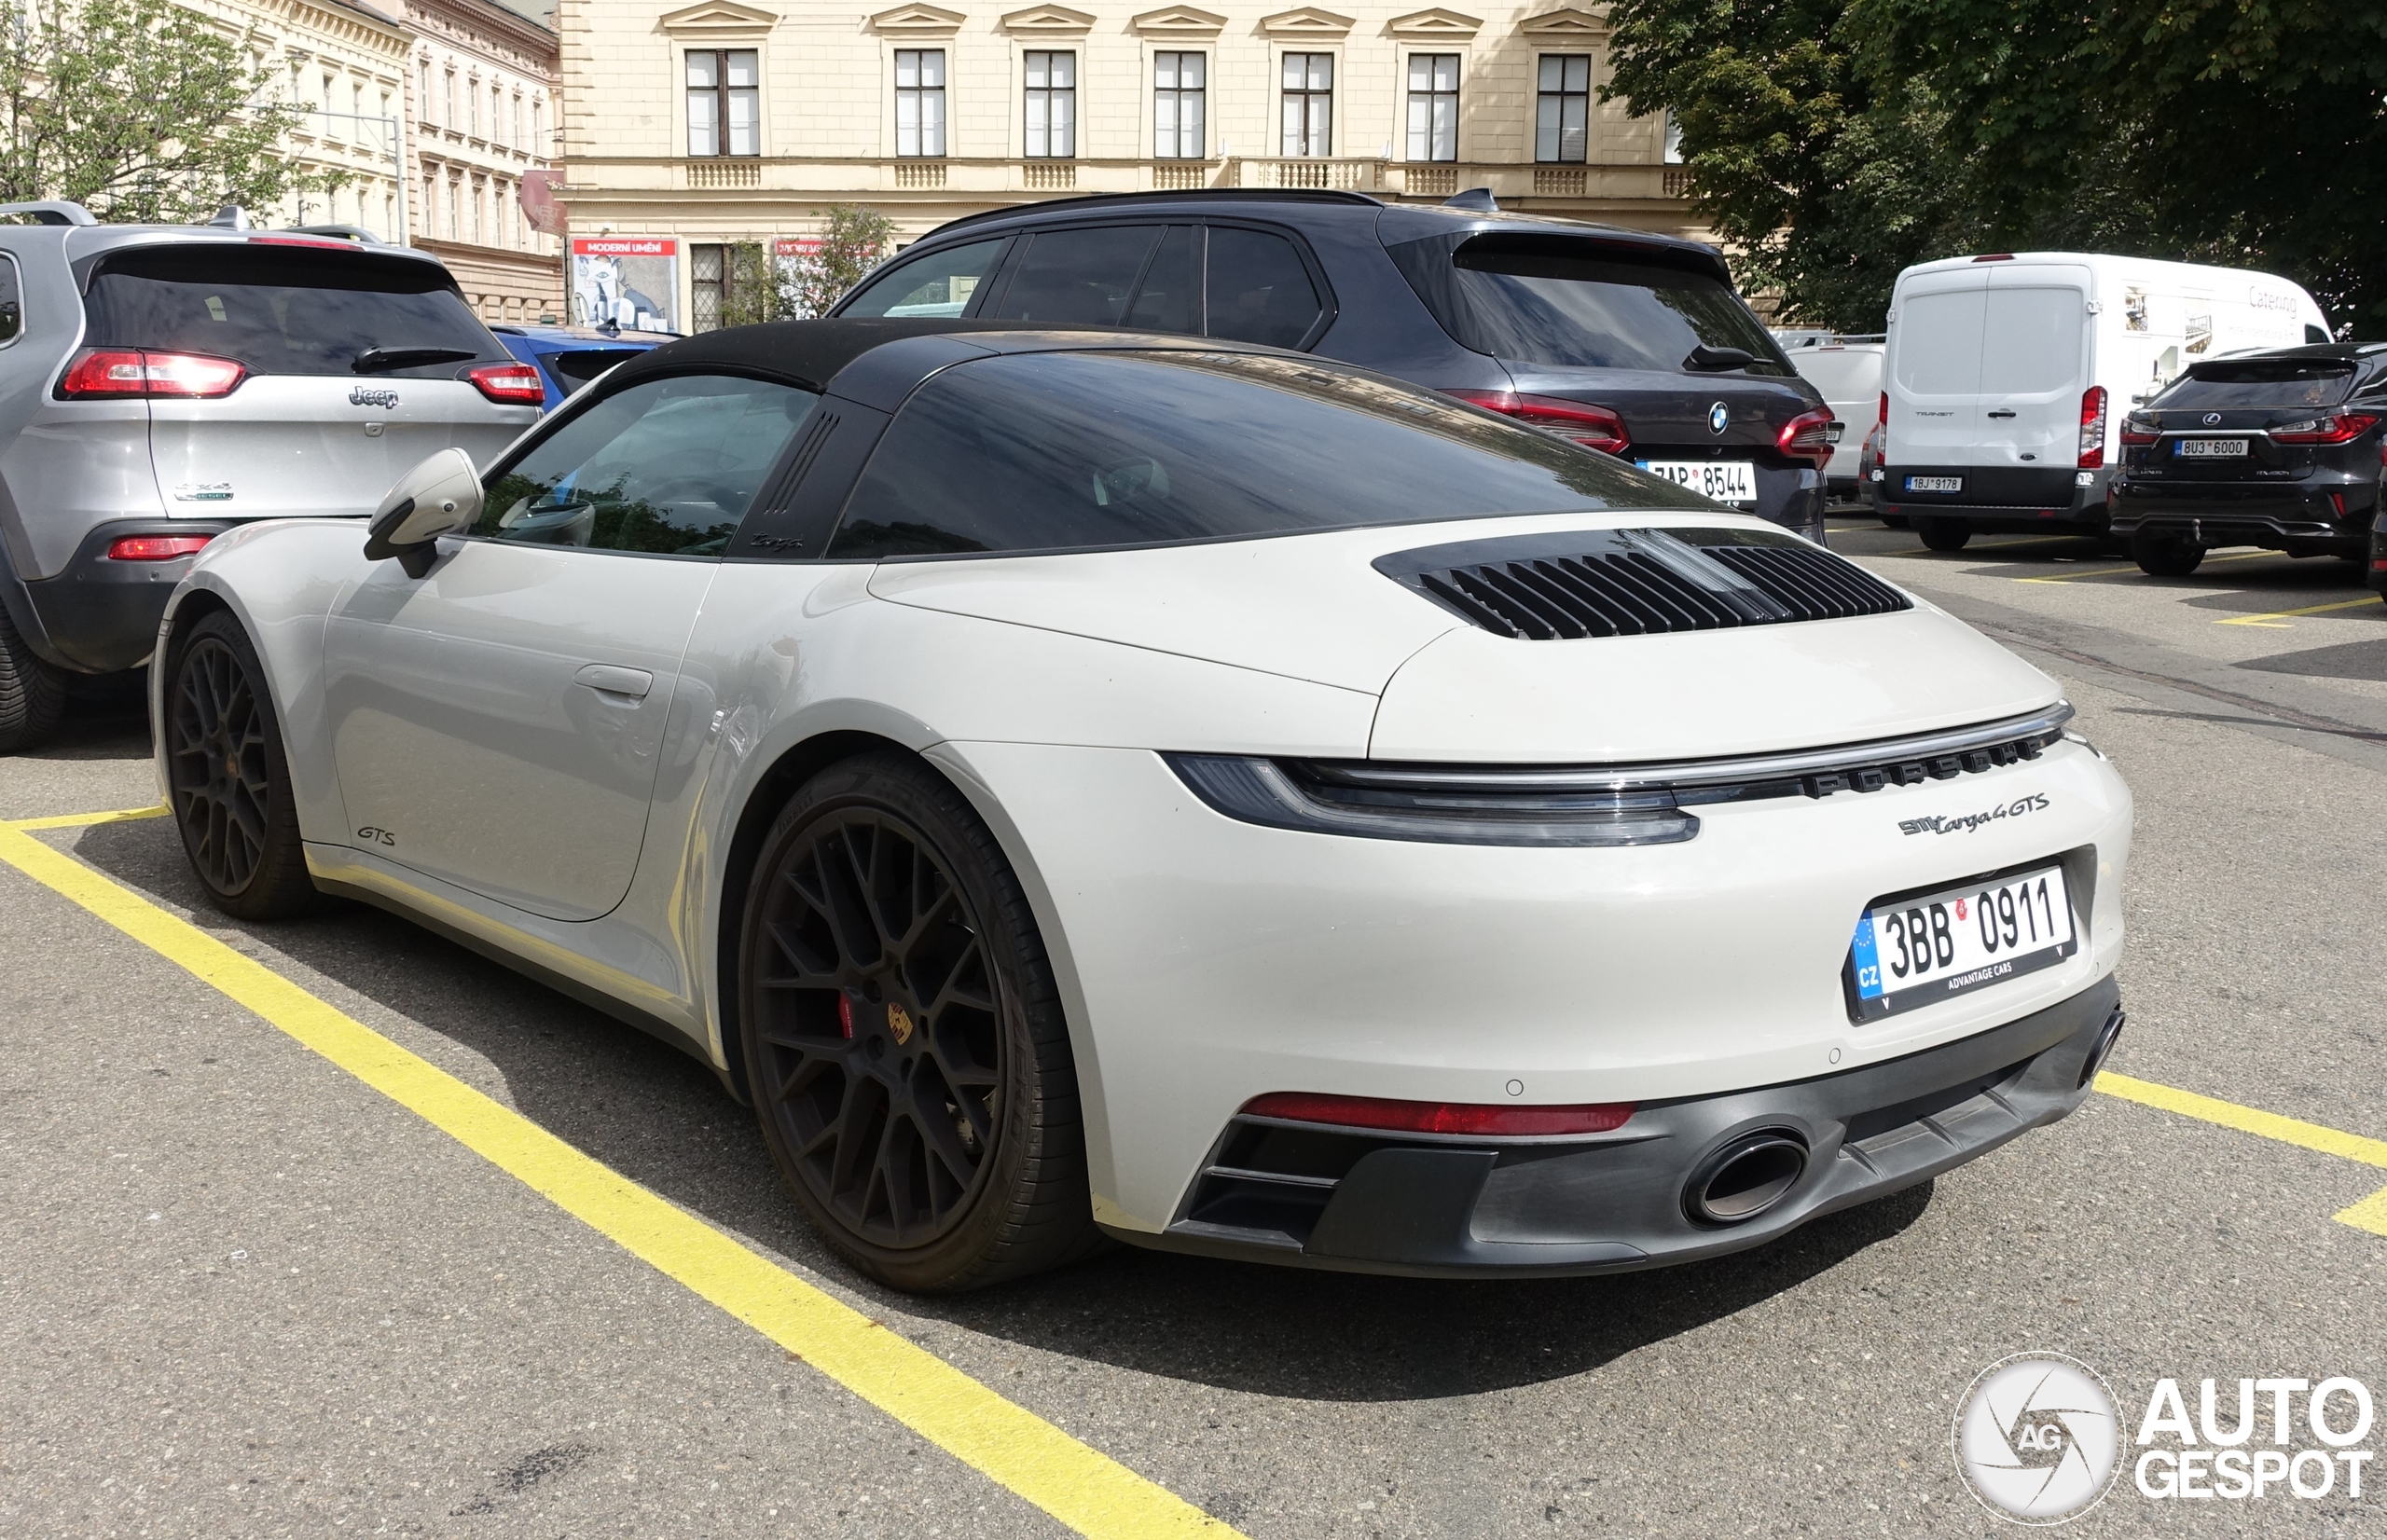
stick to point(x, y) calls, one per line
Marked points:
point(1718, 417)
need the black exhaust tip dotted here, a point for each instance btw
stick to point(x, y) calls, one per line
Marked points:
point(2100, 1049)
point(1746, 1178)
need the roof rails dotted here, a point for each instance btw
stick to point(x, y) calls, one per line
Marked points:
point(53, 210)
point(1192, 195)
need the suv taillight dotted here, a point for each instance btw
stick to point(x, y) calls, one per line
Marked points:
point(128, 373)
point(1810, 436)
point(513, 383)
point(1594, 426)
point(2138, 431)
point(156, 547)
point(2092, 428)
point(2337, 428)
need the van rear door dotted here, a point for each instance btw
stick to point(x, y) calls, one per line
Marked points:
point(1935, 368)
point(2034, 365)
point(354, 368)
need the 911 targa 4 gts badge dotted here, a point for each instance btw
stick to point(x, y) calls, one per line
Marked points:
point(1965, 823)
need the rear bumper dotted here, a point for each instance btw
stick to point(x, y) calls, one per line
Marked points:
point(1421, 1206)
point(2305, 521)
point(1995, 498)
point(98, 616)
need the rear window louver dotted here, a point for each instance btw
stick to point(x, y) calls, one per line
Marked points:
point(1633, 583)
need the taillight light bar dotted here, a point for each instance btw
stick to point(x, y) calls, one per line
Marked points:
point(1810, 436)
point(2138, 432)
point(515, 383)
point(2092, 428)
point(1466, 1117)
point(132, 373)
point(156, 547)
point(2337, 428)
point(1594, 426)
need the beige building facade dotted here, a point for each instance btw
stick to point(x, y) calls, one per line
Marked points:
point(727, 121)
point(482, 88)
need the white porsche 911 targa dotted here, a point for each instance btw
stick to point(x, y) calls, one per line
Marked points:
point(1094, 784)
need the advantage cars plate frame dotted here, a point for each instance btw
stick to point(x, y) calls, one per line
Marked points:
point(2078, 893)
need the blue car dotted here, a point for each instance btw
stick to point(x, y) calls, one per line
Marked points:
point(569, 357)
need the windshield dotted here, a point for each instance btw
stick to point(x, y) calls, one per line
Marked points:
point(1565, 300)
point(1049, 451)
point(2282, 382)
point(286, 311)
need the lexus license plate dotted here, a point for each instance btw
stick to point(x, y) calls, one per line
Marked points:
point(2208, 448)
point(1725, 480)
point(1935, 484)
point(1915, 951)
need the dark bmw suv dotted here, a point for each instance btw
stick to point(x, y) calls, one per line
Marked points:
point(1630, 342)
point(2280, 448)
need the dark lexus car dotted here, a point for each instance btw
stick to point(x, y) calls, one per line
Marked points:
point(1627, 341)
point(2280, 448)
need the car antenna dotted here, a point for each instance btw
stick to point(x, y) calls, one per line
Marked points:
point(1478, 199)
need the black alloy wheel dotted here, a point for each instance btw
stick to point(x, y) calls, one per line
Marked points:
point(905, 1040)
point(1941, 534)
point(230, 784)
point(2160, 555)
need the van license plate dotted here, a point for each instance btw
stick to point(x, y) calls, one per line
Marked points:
point(2208, 448)
point(1935, 484)
point(1725, 480)
point(1917, 950)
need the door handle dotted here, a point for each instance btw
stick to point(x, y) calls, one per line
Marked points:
point(2001, 411)
point(607, 678)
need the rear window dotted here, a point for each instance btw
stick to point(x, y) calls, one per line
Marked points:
point(2271, 383)
point(1561, 301)
point(285, 311)
point(1046, 451)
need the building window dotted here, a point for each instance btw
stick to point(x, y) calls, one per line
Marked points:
point(1433, 106)
point(422, 89)
point(1052, 104)
point(708, 286)
point(1563, 109)
point(448, 117)
point(920, 101)
point(1178, 105)
point(1672, 151)
point(725, 101)
point(538, 127)
point(1309, 104)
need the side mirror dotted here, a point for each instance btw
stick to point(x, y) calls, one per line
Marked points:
point(438, 497)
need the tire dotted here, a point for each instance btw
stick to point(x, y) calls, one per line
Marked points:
point(1943, 534)
point(904, 1038)
point(229, 780)
point(32, 693)
point(2164, 556)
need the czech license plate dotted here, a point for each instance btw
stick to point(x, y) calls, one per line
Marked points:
point(2208, 448)
point(1725, 480)
point(1935, 484)
point(1916, 951)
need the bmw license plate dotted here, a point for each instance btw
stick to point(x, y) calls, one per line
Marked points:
point(1725, 480)
point(1935, 484)
point(1913, 951)
point(2208, 448)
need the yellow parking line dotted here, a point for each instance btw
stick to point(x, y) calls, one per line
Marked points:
point(1080, 1486)
point(2270, 616)
point(2370, 1213)
point(2117, 572)
point(84, 820)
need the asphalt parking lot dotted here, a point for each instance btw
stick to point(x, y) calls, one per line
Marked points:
point(245, 1293)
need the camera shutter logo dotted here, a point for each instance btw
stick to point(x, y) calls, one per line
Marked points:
point(2036, 1438)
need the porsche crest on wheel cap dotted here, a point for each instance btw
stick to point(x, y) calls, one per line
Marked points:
point(899, 1022)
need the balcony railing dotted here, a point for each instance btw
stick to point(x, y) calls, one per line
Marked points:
point(705, 175)
point(997, 178)
point(1355, 175)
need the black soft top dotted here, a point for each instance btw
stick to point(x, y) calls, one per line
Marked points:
point(809, 354)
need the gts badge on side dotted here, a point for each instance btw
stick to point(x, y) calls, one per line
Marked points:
point(362, 397)
point(371, 835)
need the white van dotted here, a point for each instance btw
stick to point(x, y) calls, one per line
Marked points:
point(1846, 371)
point(2006, 373)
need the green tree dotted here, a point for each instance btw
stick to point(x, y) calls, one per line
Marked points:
point(853, 240)
point(140, 110)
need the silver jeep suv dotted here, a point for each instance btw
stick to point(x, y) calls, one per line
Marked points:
point(161, 384)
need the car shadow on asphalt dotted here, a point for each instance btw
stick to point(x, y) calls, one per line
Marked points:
point(662, 1120)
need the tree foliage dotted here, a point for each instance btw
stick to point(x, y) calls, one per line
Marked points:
point(1834, 141)
point(853, 240)
point(140, 110)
